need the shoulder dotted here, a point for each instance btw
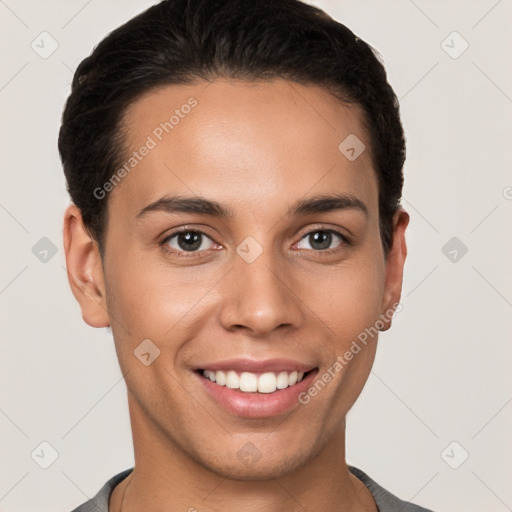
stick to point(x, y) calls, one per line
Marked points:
point(386, 502)
point(100, 501)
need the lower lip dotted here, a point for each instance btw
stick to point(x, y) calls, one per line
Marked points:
point(257, 405)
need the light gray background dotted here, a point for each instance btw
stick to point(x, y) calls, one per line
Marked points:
point(442, 373)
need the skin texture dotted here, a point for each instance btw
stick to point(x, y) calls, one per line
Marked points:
point(256, 148)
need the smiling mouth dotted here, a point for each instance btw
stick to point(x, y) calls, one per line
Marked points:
point(248, 382)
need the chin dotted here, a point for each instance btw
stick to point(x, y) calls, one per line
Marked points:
point(257, 469)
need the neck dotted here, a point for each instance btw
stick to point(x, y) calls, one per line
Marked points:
point(169, 480)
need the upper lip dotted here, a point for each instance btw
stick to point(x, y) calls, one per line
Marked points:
point(258, 366)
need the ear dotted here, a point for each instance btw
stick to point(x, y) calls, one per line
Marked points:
point(394, 268)
point(85, 269)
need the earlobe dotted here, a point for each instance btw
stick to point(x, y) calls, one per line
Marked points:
point(85, 269)
point(394, 268)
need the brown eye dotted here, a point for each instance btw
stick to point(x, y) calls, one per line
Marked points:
point(188, 241)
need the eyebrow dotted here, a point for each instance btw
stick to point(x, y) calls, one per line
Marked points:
point(317, 204)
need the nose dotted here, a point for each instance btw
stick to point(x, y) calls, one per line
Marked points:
point(260, 297)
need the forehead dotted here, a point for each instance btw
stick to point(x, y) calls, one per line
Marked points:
point(244, 142)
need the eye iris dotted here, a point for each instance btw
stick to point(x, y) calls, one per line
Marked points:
point(189, 241)
point(323, 238)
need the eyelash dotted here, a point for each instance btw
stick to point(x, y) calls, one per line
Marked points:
point(192, 254)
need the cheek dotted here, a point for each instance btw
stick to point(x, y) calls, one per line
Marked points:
point(350, 298)
point(152, 300)
point(350, 309)
point(168, 306)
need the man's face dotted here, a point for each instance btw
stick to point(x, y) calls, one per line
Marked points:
point(263, 290)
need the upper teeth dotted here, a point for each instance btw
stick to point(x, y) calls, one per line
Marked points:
point(252, 382)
